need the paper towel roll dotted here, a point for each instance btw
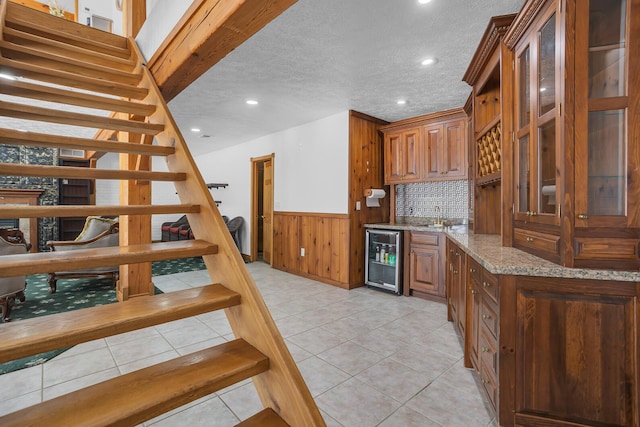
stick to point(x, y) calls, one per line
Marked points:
point(550, 190)
point(373, 196)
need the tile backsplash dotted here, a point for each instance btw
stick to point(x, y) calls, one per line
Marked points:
point(420, 199)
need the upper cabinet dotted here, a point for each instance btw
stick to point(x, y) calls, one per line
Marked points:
point(426, 148)
point(402, 154)
point(537, 148)
point(576, 142)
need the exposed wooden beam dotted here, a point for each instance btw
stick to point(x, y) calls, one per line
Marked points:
point(209, 30)
point(134, 13)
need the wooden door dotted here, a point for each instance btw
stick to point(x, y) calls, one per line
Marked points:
point(73, 192)
point(433, 146)
point(454, 150)
point(393, 169)
point(411, 155)
point(424, 271)
point(267, 200)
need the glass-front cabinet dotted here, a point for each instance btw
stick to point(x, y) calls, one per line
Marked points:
point(575, 125)
point(603, 186)
point(537, 136)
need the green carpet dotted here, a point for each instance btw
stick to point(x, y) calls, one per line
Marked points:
point(73, 294)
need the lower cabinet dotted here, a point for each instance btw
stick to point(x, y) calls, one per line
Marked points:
point(456, 288)
point(550, 352)
point(423, 259)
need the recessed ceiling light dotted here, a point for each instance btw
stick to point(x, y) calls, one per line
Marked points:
point(252, 102)
point(423, 1)
point(195, 130)
point(429, 61)
point(401, 102)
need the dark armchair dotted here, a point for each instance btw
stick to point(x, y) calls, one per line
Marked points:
point(171, 229)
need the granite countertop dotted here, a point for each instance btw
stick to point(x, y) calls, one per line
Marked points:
point(487, 250)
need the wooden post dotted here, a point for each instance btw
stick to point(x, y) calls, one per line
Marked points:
point(134, 13)
point(135, 279)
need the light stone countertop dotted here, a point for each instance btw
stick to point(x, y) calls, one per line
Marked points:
point(486, 249)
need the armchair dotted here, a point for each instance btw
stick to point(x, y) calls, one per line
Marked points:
point(170, 229)
point(98, 232)
point(11, 288)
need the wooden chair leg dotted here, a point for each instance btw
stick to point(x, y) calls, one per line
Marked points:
point(7, 304)
point(53, 283)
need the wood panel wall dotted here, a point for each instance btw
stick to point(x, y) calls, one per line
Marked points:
point(334, 243)
point(366, 167)
point(325, 239)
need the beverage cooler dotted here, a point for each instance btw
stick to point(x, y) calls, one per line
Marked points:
point(383, 262)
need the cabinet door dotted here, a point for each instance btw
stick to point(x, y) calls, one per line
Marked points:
point(474, 322)
point(537, 149)
point(424, 271)
point(411, 155)
point(607, 164)
point(393, 158)
point(454, 153)
point(433, 147)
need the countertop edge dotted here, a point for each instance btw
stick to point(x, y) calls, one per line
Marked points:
point(488, 251)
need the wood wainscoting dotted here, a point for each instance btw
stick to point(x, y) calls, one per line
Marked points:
point(325, 239)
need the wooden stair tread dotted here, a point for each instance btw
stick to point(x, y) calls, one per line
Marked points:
point(50, 115)
point(26, 19)
point(71, 97)
point(52, 60)
point(14, 137)
point(265, 418)
point(65, 78)
point(13, 169)
point(65, 49)
point(46, 262)
point(59, 211)
point(141, 395)
point(41, 334)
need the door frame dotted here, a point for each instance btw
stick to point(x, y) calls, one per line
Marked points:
point(255, 162)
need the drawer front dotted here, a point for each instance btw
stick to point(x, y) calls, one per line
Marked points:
point(475, 270)
point(489, 385)
point(606, 248)
point(490, 285)
point(489, 318)
point(538, 241)
point(488, 356)
point(432, 239)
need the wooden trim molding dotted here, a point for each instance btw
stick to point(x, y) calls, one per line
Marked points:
point(427, 118)
point(498, 26)
point(525, 17)
point(313, 214)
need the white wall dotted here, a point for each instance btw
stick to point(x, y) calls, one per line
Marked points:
point(311, 170)
point(162, 16)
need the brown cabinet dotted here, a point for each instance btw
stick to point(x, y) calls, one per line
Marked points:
point(456, 286)
point(426, 148)
point(402, 153)
point(576, 151)
point(576, 352)
point(445, 150)
point(423, 271)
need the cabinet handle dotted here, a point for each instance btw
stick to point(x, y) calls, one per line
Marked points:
point(486, 317)
point(473, 291)
point(485, 284)
point(484, 381)
point(472, 270)
point(485, 350)
point(583, 216)
point(529, 239)
point(455, 271)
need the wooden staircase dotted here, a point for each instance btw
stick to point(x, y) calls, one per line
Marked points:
point(78, 67)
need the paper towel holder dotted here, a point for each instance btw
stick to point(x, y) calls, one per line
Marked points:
point(373, 196)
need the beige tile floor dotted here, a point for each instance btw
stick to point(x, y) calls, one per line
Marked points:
point(369, 358)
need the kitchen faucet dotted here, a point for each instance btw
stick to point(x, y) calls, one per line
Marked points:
point(438, 216)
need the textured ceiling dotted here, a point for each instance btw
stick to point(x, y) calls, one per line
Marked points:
point(321, 57)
